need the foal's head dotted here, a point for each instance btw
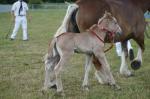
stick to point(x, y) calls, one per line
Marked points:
point(109, 23)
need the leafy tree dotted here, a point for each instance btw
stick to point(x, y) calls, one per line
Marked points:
point(7, 1)
point(35, 1)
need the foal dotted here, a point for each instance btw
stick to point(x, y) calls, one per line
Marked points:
point(90, 43)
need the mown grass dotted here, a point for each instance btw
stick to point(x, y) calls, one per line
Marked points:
point(22, 69)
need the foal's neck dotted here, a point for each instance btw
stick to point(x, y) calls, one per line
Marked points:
point(100, 32)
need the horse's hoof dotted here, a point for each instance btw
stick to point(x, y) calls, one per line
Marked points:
point(131, 54)
point(135, 64)
point(53, 87)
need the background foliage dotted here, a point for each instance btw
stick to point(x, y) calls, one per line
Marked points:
point(34, 1)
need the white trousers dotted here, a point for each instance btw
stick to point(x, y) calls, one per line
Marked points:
point(119, 48)
point(20, 20)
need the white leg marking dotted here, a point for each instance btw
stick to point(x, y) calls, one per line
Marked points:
point(124, 67)
point(139, 55)
point(129, 45)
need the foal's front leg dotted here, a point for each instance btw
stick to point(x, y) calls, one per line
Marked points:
point(88, 63)
point(105, 69)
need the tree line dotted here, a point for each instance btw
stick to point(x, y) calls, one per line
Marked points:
point(35, 1)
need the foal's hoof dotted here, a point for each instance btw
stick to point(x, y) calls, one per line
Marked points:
point(43, 91)
point(60, 94)
point(86, 88)
point(53, 87)
point(135, 64)
point(116, 87)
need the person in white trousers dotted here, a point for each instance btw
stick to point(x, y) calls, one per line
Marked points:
point(129, 47)
point(19, 12)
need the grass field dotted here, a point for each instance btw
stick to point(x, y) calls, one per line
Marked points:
point(22, 69)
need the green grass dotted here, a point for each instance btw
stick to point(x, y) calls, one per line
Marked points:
point(22, 69)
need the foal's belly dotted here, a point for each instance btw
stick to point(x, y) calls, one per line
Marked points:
point(83, 44)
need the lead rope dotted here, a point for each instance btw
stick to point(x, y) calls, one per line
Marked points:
point(112, 36)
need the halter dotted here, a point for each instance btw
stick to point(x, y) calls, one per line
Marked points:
point(111, 35)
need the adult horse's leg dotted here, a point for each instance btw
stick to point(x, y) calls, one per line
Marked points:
point(136, 63)
point(124, 67)
point(139, 38)
point(87, 69)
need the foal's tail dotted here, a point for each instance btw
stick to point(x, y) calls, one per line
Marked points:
point(52, 57)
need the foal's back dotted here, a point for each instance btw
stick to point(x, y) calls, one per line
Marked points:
point(82, 42)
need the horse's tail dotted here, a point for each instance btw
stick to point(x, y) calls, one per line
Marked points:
point(65, 23)
point(52, 57)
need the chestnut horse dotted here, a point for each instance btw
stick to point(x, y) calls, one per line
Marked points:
point(130, 17)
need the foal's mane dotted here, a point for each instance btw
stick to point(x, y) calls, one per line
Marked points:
point(107, 15)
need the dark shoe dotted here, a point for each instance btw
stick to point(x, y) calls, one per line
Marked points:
point(131, 54)
point(12, 39)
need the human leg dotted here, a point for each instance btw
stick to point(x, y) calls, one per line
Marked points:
point(16, 27)
point(24, 28)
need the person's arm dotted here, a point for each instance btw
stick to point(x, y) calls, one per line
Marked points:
point(27, 13)
point(13, 13)
point(12, 16)
point(28, 16)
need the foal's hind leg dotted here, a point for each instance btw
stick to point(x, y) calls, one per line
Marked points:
point(87, 69)
point(64, 58)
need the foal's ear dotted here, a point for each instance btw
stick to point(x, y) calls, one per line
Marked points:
point(107, 14)
point(99, 21)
